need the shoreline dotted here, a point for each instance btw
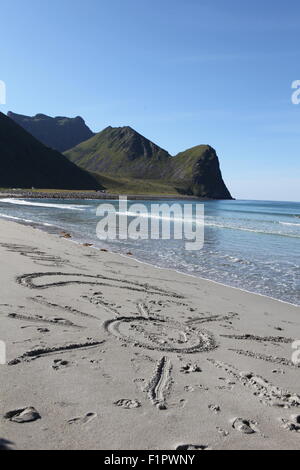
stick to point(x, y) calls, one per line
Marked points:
point(101, 195)
point(87, 331)
point(44, 226)
point(185, 274)
point(210, 280)
point(64, 195)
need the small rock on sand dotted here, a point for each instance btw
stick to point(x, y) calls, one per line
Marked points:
point(65, 235)
point(293, 424)
point(23, 415)
point(192, 447)
point(243, 425)
point(295, 419)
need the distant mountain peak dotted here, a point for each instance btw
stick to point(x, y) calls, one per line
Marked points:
point(38, 116)
point(60, 133)
point(122, 129)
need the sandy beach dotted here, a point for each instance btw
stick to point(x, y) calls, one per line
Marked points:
point(112, 353)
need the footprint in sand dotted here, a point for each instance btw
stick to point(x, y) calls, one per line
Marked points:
point(128, 404)
point(193, 388)
point(59, 364)
point(83, 419)
point(223, 432)
point(190, 368)
point(214, 408)
point(189, 388)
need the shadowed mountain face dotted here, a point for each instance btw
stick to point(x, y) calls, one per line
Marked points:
point(123, 152)
point(59, 133)
point(25, 162)
point(198, 169)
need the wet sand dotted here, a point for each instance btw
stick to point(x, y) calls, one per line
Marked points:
point(104, 352)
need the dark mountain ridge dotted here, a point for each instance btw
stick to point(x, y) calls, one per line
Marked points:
point(25, 162)
point(60, 133)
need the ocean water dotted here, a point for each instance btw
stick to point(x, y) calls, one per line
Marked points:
point(252, 245)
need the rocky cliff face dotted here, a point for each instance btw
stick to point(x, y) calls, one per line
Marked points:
point(59, 133)
point(25, 162)
point(199, 170)
point(123, 152)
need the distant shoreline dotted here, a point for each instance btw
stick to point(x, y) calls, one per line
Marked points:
point(65, 194)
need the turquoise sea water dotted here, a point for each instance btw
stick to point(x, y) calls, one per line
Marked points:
point(252, 245)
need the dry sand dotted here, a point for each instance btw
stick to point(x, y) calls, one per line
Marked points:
point(114, 354)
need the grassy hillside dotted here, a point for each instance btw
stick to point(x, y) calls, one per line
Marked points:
point(120, 152)
point(133, 186)
point(123, 158)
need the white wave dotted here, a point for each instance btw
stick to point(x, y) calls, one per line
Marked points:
point(244, 229)
point(21, 202)
point(16, 218)
point(289, 223)
point(29, 221)
point(148, 215)
point(197, 276)
point(206, 223)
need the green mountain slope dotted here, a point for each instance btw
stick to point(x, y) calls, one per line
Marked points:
point(122, 152)
point(59, 133)
point(25, 162)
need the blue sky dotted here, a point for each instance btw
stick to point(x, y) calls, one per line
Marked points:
point(181, 72)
